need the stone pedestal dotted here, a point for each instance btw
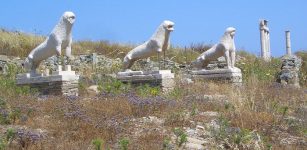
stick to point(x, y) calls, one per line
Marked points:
point(232, 75)
point(162, 78)
point(289, 74)
point(58, 83)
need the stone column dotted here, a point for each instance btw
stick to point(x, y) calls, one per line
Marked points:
point(262, 40)
point(268, 46)
point(265, 40)
point(288, 43)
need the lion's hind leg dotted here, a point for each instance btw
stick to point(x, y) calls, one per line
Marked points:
point(233, 58)
point(29, 65)
point(228, 59)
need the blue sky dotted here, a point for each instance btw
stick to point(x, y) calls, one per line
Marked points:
point(134, 21)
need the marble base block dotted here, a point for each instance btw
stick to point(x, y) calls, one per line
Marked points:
point(58, 83)
point(232, 75)
point(162, 78)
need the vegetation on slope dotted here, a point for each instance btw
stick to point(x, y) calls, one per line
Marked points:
point(106, 120)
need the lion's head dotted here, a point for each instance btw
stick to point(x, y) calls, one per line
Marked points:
point(168, 25)
point(69, 17)
point(230, 31)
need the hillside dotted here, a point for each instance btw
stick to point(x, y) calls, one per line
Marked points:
point(261, 114)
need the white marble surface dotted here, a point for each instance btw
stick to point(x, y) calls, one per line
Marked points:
point(233, 75)
point(135, 75)
point(156, 44)
point(265, 40)
point(288, 43)
point(226, 47)
point(28, 78)
point(60, 38)
point(217, 71)
point(161, 78)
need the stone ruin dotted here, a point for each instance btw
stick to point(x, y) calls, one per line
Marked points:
point(290, 68)
point(291, 64)
point(217, 63)
point(158, 43)
point(225, 48)
point(265, 40)
point(3, 64)
point(288, 43)
point(59, 82)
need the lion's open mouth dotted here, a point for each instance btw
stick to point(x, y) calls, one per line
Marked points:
point(71, 19)
point(233, 33)
point(170, 27)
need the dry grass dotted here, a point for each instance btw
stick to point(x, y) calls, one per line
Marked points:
point(112, 50)
point(17, 44)
point(20, 44)
point(73, 124)
point(303, 73)
point(259, 105)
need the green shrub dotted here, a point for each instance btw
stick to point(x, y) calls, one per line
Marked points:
point(10, 134)
point(4, 118)
point(303, 69)
point(221, 134)
point(166, 144)
point(263, 71)
point(9, 137)
point(2, 103)
point(98, 143)
point(147, 90)
point(15, 114)
point(194, 110)
point(2, 144)
point(124, 144)
point(176, 94)
point(176, 118)
point(236, 138)
point(181, 136)
point(183, 139)
point(113, 86)
point(8, 87)
point(242, 137)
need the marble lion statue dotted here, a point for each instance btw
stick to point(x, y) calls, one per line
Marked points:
point(225, 48)
point(59, 38)
point(158, 42)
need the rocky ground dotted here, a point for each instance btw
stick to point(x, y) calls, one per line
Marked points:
point(184, 129)
point(196, 115)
